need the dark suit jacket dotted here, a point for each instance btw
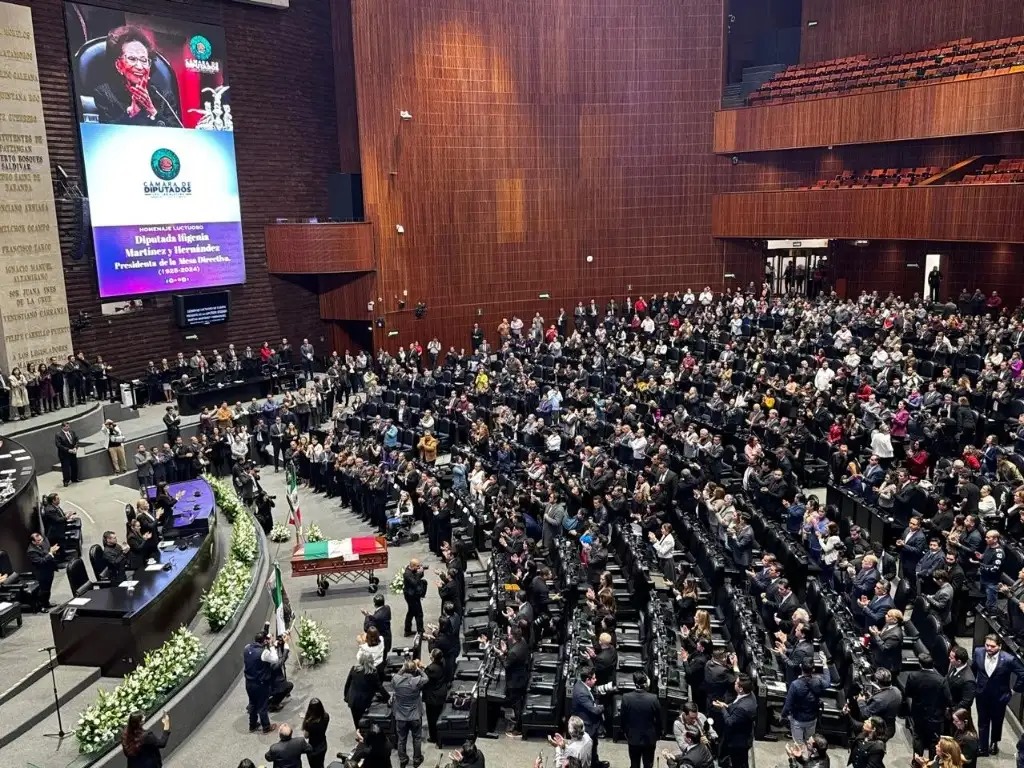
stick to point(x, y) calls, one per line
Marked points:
point(641, 718)
point(961, 687)
point(287, 753)
point(997, 687)
point(585, 708)
point(149, 755)
point(64, 444)
point(738, 723)
point(928, 694)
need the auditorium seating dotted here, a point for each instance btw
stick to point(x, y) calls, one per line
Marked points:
point(955, 60)
point(1006, 171)
point(876, 177)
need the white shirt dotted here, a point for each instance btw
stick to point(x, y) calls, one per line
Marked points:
point(377, 651)
point(823, 378)
point(881, 445)
point(991, 662)
point(639, 446)
point(665, 546)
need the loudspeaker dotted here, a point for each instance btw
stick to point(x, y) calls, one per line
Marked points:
point(345, 196)
point(82, 247)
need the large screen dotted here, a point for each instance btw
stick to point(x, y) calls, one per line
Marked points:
point(154, 115)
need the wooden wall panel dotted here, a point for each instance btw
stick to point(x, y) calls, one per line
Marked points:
point(282, 94)
point(304, 249)
point(992, 104)
point(882, 27)
point(887, 265)
point(976, 213)
point(345, 297)
point(345, 86)
point(594, 107)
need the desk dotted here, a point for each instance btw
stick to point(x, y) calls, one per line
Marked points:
point(19, 494)
point(114, 629)
point(193, 511)
point(192, 402)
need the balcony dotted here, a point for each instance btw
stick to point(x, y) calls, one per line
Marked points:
point(304, 248)
point(988, 213)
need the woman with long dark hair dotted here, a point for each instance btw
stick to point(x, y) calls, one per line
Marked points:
point(314, 725)
point(142, 747)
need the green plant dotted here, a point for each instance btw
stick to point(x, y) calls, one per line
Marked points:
point(226, 594)
point(280, 533)
point(160, 672)
point(226, 497)
point(314, 642)
point(313, 533)
point(243, 540)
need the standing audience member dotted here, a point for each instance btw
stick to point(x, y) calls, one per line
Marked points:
point(314, 727)
point(288, 751)
point(993, 668)
point(142, 747)
point(640, 713)
point(737, 720)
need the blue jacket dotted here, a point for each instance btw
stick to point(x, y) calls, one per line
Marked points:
point(585, 707)
point(997, 687)
point(803, 699)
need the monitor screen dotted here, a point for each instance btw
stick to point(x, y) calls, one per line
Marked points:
point(194, 309)
point(157, 132)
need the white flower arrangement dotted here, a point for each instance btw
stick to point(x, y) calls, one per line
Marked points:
point(160, 672)
point(314, 642)
point(226, 594)
point(280, 533)
point(313, 533)
point(397, 585)
point(226, 497)
point(243, 540)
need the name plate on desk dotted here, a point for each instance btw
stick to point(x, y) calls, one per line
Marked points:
point(129, 584)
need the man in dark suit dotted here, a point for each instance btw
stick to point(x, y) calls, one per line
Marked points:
point(381, 619)
point(641, 722)
point(41, 555)
point(67, 451)
point(288, 752)
point(585, 707)
point(871, 611)
point(960, 680)
point(929, 700)
point(517, 676)
point(992, 669)
point(885, 703)
point(737, 721)
point(911, 546)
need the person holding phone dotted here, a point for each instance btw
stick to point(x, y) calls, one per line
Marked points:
point(142, 747)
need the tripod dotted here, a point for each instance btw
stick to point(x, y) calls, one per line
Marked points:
point(61, 734)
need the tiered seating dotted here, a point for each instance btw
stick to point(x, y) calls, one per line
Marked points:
point(1006, 171)
point(956, 60)
point(877, 177)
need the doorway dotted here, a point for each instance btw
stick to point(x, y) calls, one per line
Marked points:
point(932, 261)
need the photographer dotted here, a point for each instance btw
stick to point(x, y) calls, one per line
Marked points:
point(259, 659)
point(407, 708)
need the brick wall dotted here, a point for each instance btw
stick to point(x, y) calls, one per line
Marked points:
point(286, 140)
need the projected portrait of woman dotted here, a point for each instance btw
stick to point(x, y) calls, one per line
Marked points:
point(128, 97)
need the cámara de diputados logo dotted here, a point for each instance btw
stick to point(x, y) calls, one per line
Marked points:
point(166, 166)
point(201, 59)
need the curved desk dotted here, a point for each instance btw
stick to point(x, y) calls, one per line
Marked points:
point(113, 629)
point(19, 495)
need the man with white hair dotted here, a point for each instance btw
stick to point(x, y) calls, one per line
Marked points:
point(578, 745)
